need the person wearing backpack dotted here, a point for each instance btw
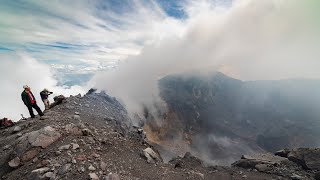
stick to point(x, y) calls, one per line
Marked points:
point(44, 96)
point(29, 100)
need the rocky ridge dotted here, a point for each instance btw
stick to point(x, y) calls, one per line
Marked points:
point(90, 137)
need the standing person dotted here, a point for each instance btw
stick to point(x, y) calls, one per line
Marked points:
point(44, 96)
point(29, 100)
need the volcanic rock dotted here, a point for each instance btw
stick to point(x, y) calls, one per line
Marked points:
point(30, 154)
point(17, 129)
point(93, 176)
point(64, 169)
point(49, 175)
point(112, 176)
point(91, 168)
point(43, 137)
point(151, 155)
point(41, 170)
point(73, 129)
point(14, 163)
point(308, 158)
point(103, 165)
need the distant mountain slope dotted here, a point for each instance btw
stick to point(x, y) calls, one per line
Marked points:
point(227, 117)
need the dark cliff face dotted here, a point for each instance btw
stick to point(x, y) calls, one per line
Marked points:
point(229, 117)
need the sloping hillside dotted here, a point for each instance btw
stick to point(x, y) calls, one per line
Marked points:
point(90, 137)
point(223, 117)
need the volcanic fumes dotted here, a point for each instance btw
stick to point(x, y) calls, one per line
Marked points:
point(219, 118)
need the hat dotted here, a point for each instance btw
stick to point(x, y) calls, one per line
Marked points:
point(25, 86)
point(45, 89)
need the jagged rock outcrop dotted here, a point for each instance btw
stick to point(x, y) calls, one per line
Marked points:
point(57, 100)
point(291, 163)
point(308, 158)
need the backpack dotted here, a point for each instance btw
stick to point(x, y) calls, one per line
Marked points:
point(6, 123)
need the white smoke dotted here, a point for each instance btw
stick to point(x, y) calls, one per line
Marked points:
point(18, 69)
point(265, 39)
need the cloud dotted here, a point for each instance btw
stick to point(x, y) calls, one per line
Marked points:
point(18, 69)
point(97, 30)
point(251, 40)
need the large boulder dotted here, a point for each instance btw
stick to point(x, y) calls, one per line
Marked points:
point(254, 161)
point(43, 137)
point(30, 144)
point(151, 155)
point(308, 158)
point(57, 100)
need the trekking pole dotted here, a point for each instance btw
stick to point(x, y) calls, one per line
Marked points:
point(23, 118)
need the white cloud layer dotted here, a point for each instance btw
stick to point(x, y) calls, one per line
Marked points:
point(265, 39)
point(17, 70)
point(252, 40)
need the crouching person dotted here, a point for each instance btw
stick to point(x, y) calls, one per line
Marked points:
point(29, 100)
point(44, 96)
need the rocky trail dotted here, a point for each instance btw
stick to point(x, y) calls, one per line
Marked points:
point(91, 137)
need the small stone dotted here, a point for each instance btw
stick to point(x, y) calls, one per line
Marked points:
point(76, 113)
point(244, 176)
point(58, 153)
point(74, 161)
point(201, 175)
point(296, 177)
point(49, 175)
point(70, 107)
point(65, 147)
point(17, 129)
point(95, 155)
point(19, 134)
point(81, 169)
point(75, 146)
point(73, 129)
point(103, 165)
point(112, 177)
point(45, 162)
point(31, 154)
point(93, 176)
point(81, 157)
point(41, 170)
point(65, 168)
point(86, 132)
point(6, 147)
point(14, 163)
point(35, 160)
point(91, 168)
point(263, 167)
point(77, 117)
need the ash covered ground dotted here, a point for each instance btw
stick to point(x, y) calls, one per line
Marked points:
point(91, 137)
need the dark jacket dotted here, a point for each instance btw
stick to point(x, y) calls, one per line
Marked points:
point(26, 99)
point(44, 94)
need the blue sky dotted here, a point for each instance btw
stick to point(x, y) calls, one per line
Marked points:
point(67, 33)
